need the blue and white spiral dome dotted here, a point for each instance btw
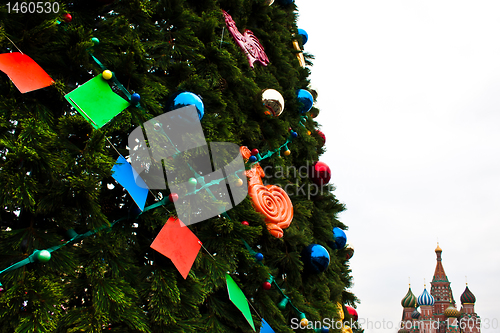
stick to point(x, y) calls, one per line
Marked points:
point(425, 298)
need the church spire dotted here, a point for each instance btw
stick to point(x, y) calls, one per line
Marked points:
point(439, 274)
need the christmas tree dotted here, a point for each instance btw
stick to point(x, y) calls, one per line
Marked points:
point(76, 239)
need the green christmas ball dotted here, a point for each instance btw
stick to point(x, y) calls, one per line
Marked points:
point(192, 181)
point(43, 256)
point(95, 40)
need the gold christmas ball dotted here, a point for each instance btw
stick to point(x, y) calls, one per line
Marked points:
point(107, 74)
point(239, 182)
point(273, 101)
point(287, 152)
point(304, 322)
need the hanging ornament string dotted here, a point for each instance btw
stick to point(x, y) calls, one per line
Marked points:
point(286, 300)
point(34, 257)
point(200, 179)
point(302, 121)
point(269, 153)
point(88, 118)
point(258, 314)
point(14, 45)
point(112, 145)
point(258, 156)
point(113, 78)
point(204, 248)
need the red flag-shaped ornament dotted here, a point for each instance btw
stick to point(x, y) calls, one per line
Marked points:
point(177, 242)
point(24, 72)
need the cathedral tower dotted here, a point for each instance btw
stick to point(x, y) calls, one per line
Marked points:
point(409, 303)
point(440, 288)
point(426, 302)
point(470, 320)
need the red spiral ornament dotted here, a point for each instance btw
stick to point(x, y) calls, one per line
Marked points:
point(271, 200)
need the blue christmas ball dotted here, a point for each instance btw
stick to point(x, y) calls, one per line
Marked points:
point(294, 134)
point(339, 239)
point(285, 2)
point(325, 330)
point(252, 159)
point(315, 258)
point(259, 256)
point(135, 98)
point(188, 98)
point(304, 35)
point(305, 98)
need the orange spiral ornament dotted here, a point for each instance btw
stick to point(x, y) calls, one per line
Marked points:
point(270, 200)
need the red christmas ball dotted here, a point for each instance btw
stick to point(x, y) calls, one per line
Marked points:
point(173, 197)
point(67, 17)
point(245, 223)
point(352, 312)
point(322, 136)
point(266, 285)
point(255, 151)
point(320, 173)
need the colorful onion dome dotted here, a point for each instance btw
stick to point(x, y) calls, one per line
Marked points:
point(452, 312)
point(409, 301)
point(415, 314)
point(467, 296)
point(425, 298)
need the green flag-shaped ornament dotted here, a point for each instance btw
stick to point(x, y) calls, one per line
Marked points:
point(95, 100)
point(238, 298)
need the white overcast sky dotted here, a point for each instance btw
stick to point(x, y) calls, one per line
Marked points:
point(410, 91)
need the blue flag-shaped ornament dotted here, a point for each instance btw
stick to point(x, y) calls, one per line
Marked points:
point(265, 328)
point(126, 176)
